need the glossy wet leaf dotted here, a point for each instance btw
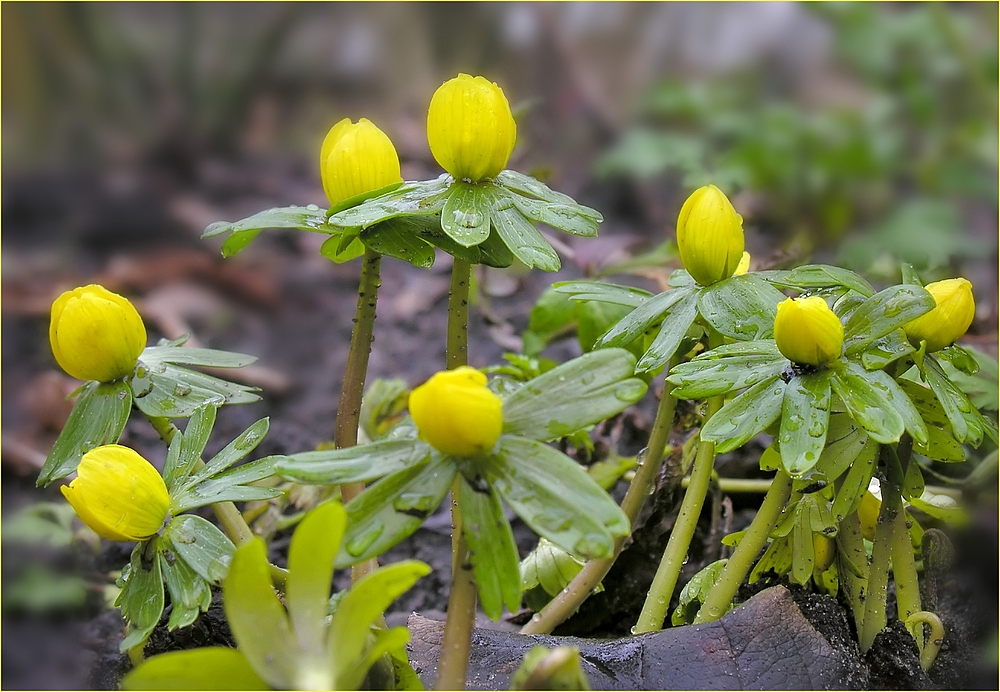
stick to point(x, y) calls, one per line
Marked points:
point(814, 276)
point(170, 391)
point(727, 368)
point(519, 235)
point(310, 570)
point(637, 322)
point(245, 443)
point(913, 481)
point(805, 416)
point(956, 405)
point(896, 399)
point(741, 307)
point(359, 609)
point(744, 416)
point(695, 591)
point(189, 593)
point(526, 185)
point(594, 318)
point(856, 482)
point(845, 440)
point(393, 508)
point(578, 393)
point(186, 448)
point(205, 357)
point(141, 599)
point(888, 349)
point(962, 359)
point(867, 404)
point(603, 292)
point(940, 507)
point(884, 312)
point(207, 668)
point(677, 321)
point(492, 550)
point(233, 485)
point(98, 418)
point(563, 217)
point(342, 248)
point(424, 198)
point(494, 251)
point(465, 217)
point(556, 497)
point(400, 238)
point(360, 464)
point(200, 544)
point(310, 218)
point(257, 618)
point(940, 446)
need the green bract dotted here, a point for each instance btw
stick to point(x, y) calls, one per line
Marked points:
point(547, 489)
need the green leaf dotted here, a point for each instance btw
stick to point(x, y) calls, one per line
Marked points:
point(342, 248)
point(98, 418)
point(393, 508)
point(563, 217)
point(206, 357)
point(400, 238)
point(940, 507)
point(961, 414)
point(39, 591)
point(359, 609)
point(361, 464)
point(411, 199)
point(551, 314)
point(491, 549)
point(888, 349)
point(526, 185)
point(169, 391)
point(556, 497)
point(189, 593)
point(896, 399)
point(245, 443)
point(494, 251)
point(677, 320)
point(603, 292)
point(207, 668)
point(578, 393)
point(856, 481)
point(745, 416)
point(257, 618)
point(189, 447)
point(805, 417)
point(649, 312)
point(884, 312)
point(962, 359)
point(741, 307)
point(727, 368)
point(867, 404)
point(594, 318)
point(913, 481)
point(391, 642)
point(310, 218)
point(310, 571)
point(238, 242)
point(465, 217)
point(230, 486)
point(940, 446)
point(141, 599)
point(844, 442)
point(41, 523)
point(814, 276)
point(695, 591)
point(201, 545)
point(981, 386)
point(519, 235)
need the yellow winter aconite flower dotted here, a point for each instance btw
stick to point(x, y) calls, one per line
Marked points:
point(355, 159)
point(710, 236)
point(949, 320)
point(456, 413)
point(96, 334)
point(744, 266)
point(470, 128)
point(118, 494)
point(807, 331)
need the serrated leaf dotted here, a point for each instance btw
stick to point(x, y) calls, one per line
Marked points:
point(805, 417)
point(465, 217)
point(98, 418)
point(556, 497)
point(206, 668)
point(726, 369)
point(400, 238)
point(635, 324)
point(602, 292)
point(884, 312)
point(360, 464)
point(492, 550)
point(411, 199)
point(517, 233)
point(578, 393)
point(867, 404)
point(741, 307)
point(813, 276)
point(744, 416)
point(677, 320)
point(310, 570)
point(142, 598)
point(201, 545)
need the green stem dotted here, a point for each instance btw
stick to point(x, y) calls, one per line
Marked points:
point(569, 599)
point(355, 372)
point(232, 522)
point(852, 566)
point(929, 646)
point(904, 573)
point(719, 597)
point(734, 486)
point(457, 638)
point(654, 610)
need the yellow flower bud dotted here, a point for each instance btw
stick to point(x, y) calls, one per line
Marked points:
point(470, 128)
point(355, 159)
point(456, 413)
point(96, 334)
point(807, 331)
point(118, 494)
point(710, 236)
point(868, 512)
point(824, 550)
point(949, 320)
point(744, 266)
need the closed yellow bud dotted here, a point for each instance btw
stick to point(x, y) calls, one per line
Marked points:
point(118, 494)
point(96, 334)
point(744, 266)
point(824, 550)
point(949, 320)
point(868, 512)
point(470, 128)
point(355, 159)
point(456, 413)
point(710, 236)
point(807, 331)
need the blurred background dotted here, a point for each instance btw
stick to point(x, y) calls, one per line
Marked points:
point(861, 134)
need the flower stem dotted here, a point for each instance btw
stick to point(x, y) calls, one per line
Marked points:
point(904, 569)
point(230, 519)
point(929, 646)
point(654, 610)
point(457, 638)
point(719, 597)
point(569, 599)
point(349, 408)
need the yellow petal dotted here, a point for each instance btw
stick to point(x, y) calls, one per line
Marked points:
point(807, 331)
point(456, 413)
point(949, 319)
point(355, 159)
point(710, 236)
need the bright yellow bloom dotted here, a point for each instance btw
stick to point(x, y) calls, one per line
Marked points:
point(355, 159)
point(744, 266)
point(868, 512)
point(710, 236)
point(118, 494)
point(807, 331)
point(456, 413)
point(96, 334)
point(470, 128)
point(949, 320)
